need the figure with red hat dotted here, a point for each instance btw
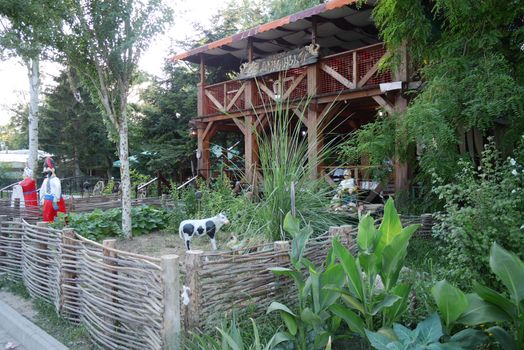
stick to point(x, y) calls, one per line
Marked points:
point(29, 187)
point(51, 192)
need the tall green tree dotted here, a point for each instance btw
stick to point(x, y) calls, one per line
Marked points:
point(26, 32)
point(72, 127)
point(103, 41)
point(168, 106)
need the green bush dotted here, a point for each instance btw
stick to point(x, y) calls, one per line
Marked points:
point(100, 224)
point(482, 206)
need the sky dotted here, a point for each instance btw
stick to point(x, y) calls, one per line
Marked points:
point(14, 83)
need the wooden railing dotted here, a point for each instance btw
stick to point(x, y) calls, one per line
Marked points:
point(344, 71)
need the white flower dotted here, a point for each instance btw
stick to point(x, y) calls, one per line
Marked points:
point(514, 172)
point(513, 191)
point(522, 227)
point(513, 161)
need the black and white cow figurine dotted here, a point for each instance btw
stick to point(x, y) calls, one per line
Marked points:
point(210, 226)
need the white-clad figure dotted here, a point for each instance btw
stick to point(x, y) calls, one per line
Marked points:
point(51, 193)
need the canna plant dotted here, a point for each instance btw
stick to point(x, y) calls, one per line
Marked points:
point(487, 306)
point(372, 297)
point(309, 324)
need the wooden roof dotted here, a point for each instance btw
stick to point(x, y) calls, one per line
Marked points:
point(341, 26)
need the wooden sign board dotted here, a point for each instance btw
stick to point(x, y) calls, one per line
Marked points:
point(279, 62)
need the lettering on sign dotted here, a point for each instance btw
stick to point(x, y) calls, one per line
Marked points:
point(280, 62)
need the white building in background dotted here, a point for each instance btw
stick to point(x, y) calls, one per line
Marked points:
point(14, 161)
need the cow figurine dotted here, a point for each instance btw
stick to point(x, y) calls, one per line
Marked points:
point(210, 226)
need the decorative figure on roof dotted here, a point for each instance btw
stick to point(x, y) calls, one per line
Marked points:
point(51, 192)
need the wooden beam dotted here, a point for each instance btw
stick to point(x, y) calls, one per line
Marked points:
point(294, 85)
point(206, 131)
point(337, 76)
point(267, 91)
point(382, 102)
point(214, 100)
point(240, 125)
point(237, 95)
point(301, 115)
point(369, 73)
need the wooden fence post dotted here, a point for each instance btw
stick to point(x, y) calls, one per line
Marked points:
point(68, 260)
point(42, 225)
point(171, 283)
point(4, 246)
point(282, 246)
point(192, 310)
point(109, 255)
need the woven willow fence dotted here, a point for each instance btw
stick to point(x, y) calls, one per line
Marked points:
point(125, 300)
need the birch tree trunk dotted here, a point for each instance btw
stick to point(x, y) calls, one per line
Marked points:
point(33, 67)
point(124, 175)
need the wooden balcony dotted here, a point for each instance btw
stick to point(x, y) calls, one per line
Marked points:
point(344, 72)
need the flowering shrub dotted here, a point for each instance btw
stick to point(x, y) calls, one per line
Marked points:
point(482, 206)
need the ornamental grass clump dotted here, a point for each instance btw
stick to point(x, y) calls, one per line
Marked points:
point(283, 155)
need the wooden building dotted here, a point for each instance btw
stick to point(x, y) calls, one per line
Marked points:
point(328, 54)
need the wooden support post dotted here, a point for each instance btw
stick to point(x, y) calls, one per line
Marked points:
point(201, 88)
point(401, 168)
point(109, 254)
point(313, 140)
point(192, 311)
point(171, 283)
point(203, 152)
point(251, 149)
point(282, 247)
point(68, 258)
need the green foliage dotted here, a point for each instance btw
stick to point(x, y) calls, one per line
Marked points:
point(232, 338)
point(312, 325)
point(72, 127)
point(100, 224)
point(369, 304)
point(426, 335)
point(482, 206)
point(283, 157)
point(487, 306)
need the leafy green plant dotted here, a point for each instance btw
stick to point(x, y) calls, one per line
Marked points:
point(232, 338)
point(311, 325)
point(427, 335)
point(100, 224)
point(109, 187)
point(372, 297)
point(482, 205)
point(283, 154)
point(487, 306)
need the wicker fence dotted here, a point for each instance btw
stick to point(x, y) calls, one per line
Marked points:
point(130, 301)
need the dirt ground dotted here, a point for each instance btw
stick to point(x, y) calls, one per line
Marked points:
point(163, 243)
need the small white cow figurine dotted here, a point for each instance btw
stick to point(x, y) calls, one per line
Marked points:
point(210, 226)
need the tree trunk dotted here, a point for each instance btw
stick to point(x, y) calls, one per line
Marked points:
point(33, 67)
point(124, 175)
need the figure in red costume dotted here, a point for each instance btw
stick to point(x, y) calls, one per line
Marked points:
point(51, 192)
point(29, 187)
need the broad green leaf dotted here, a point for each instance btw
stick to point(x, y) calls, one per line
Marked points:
point(230, 341)
point(509, 269)
point(315, 289)
point(369, 263)
point(321, 339)
point(298, 244)
point(295, 275)
point(290, 322)
point(354, 322)
point(404, 334)
point(366, 233)
point(393, 256)
point(333, 276)
point(468, 339)
point(451, 301)
point(399, 307)
point(352, 302)
point(378, 341)
point(388, 301)
point(309, 317)
point(352, 269)
point(278, 338)
point(276, 306)
point(291, 224)
point(430, 330)
point(505, 339)
point(390, 226)
point(255, 333)
point(480, 312)
point(493, 297)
